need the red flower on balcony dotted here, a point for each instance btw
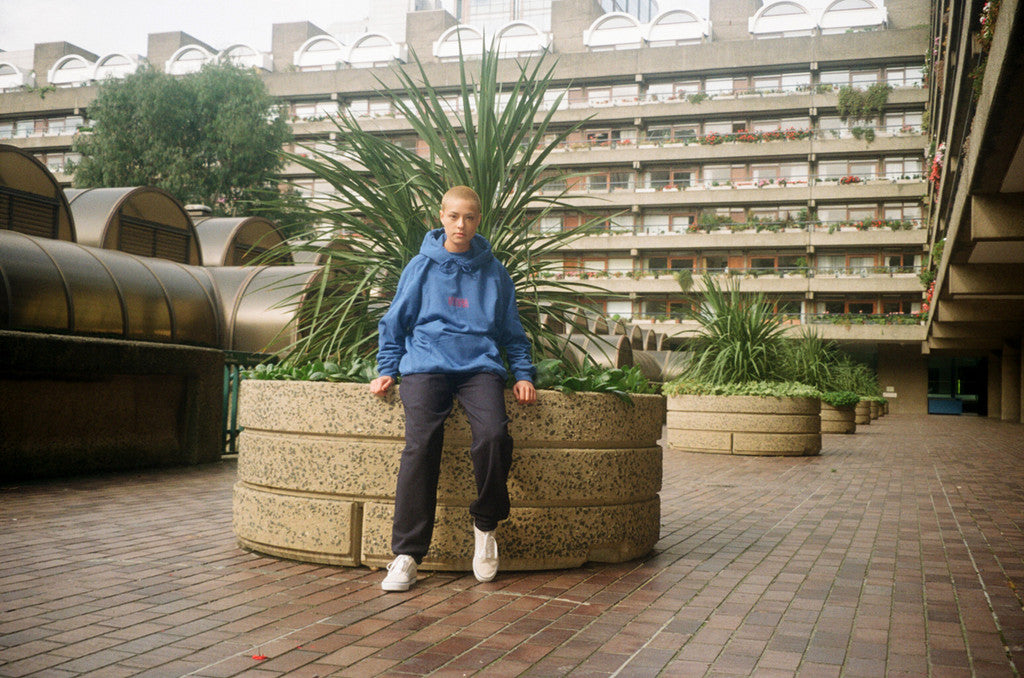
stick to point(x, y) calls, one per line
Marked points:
point(849, 179)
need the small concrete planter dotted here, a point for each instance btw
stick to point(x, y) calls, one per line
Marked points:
point(317, 466)
point(863, 413)
point(745, 425)
point(837, 420)
point(874, 410)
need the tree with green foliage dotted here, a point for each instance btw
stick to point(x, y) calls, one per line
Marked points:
point(212, 137)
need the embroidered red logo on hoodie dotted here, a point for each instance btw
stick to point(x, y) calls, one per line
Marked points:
point(458, 302)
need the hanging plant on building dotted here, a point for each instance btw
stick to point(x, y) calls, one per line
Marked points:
point(856, 104)
point(936, 174)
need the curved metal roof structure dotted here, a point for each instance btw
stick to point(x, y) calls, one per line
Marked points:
point(31, 200)
point(55, 286)
point(144, 220)
point(258, 304)
point(237, 241)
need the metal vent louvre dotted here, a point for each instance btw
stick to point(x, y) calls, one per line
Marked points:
point(150, 239)
point(28, 213)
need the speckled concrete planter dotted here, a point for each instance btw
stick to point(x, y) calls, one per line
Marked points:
point(745, 425)
point(873, 410)
point(836, 420)
point(317, 466)
point(862, 413)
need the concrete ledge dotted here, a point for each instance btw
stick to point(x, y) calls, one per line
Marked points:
point(72, 405)
point(835, 420)
point(318, 461)
point(862, 413)
point(745, 425)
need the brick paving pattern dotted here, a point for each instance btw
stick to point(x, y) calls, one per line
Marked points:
point(899, 551)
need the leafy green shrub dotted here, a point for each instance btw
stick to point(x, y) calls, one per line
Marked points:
point(356, 370)
point(740, 338)
point(841, 400)
point(553, 374)
point(777, 389)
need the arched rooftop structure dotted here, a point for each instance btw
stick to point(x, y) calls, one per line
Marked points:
point(246, 56)
point(447, 47)
point(258, 304)
point(615, 30)
point(521, 38)
point(12, 77)
point(320, 53)
point(237, 241)
point(114, 65)
point(782, 18)
point(66, 288)
point(70, 70)
point(677, 27)
point(31, 199)
point(843, 15)
point(188, 59)
point(374, 49)
point(144, 221)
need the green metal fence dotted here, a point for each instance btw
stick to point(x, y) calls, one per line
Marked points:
point(234, 363)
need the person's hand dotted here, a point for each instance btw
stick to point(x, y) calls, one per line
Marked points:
point(380, 385)
point(524, 392)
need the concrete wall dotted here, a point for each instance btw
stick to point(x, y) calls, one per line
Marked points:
point(161, 46)
point(286, 38)
point(905, 369)
point(70, 405)
point(48, 53)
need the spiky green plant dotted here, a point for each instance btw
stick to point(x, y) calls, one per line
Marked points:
point(740, 337)
point(809, 359)
point(388, 197)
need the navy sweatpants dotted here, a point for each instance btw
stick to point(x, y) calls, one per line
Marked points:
point(427, 399)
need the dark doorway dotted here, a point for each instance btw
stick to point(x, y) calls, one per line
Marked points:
point(957, 385)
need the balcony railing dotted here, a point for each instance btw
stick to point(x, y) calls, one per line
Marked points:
point(799, 318)
point(772, 226)
point(750, 272)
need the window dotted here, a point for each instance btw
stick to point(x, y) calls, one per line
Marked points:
point(671, 178)
point(321, 53)
point(906, 122)
point(910, 76)
point(715, 86)
point(903, 168)
point(668, 133)
point(656, 224)
point(717, 173)
point(910, 211)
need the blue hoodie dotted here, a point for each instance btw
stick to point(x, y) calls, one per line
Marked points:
point(452, 313)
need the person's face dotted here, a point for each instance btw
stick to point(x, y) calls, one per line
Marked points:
point(460, 219)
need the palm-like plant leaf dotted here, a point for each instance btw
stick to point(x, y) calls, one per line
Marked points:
point(388, 197)
point(740, 338)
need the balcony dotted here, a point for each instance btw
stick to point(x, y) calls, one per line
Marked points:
point(795, 280)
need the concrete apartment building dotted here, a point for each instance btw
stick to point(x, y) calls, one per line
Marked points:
point(713, 140)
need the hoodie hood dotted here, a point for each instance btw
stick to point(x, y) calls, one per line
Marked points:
point(479, 253)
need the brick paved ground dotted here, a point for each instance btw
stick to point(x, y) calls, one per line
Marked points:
point(898, 551)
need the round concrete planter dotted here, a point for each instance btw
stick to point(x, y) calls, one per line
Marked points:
point(317, 465)
point(873, 410)
point(862, 413)
point(885, 408)
point(836, 420)
point(745, 425)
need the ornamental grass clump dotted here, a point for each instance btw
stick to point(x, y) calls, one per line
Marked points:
point(386, 197)
point(740, 338)
point(740, 348)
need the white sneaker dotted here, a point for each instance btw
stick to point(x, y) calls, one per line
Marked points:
point(401, 574)
point(485, 555)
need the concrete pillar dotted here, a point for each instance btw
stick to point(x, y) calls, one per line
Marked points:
point(161, 46)
point(423, 28)
point(995, 385)
point(569, 18)
point(729, 19)
point(46, 54)
point(286, 38)
point(1011, 382)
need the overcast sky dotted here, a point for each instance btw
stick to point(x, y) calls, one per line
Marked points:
point(104, 26)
